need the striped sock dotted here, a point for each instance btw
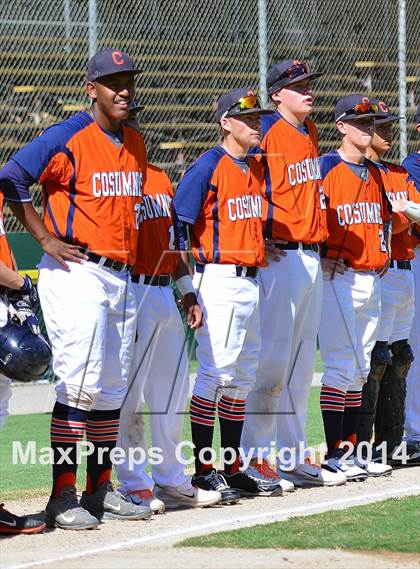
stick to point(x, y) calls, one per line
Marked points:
point(332, 401)
point(202, 415)
point(67, 429)
point(231, 419)
point(351, 416)
point(102, 431)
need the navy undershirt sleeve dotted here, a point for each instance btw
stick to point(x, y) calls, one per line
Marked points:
point(194, 185)
point(15, 182)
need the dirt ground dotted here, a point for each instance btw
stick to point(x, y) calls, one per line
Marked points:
point(146, 544)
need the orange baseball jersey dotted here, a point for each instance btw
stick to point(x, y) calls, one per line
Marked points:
point(156, 253)
point(5, 252)
point(92, 187)
point(294, 205)
point(220, 197)
point(357, 209)
point(397, 186)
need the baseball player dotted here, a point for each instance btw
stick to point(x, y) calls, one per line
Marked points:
point(219, 198)
point(384, 392)
point(290, 300)
point(91, 168)
point(159, 370)
point(353, 255)
point(412, 408)
point(23, 292)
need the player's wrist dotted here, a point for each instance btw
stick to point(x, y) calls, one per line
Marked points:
point(185, 285)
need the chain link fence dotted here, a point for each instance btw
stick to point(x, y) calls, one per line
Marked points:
point(191, 51)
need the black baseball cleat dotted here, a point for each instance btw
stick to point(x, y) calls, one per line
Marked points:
point(250, 482)
point(215, 481)
point(12, 524)
point(405, 454)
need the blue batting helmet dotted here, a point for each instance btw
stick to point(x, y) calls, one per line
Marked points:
point(24, 356)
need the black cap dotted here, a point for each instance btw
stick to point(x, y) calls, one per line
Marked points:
point(109, 62)
point(287, 72)
point(135, 106)
point(229, 104)
point(385, 113)
point(356, 106)
point(417, 116)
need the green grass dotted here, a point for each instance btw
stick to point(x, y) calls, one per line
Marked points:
point(18, 481)
point(392, 525)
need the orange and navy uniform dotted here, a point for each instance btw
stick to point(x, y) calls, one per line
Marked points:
point(412, 164)
point(398, 186)
point(357, 213)
point(220, 198)
point(5, 252)
point(157, 250)
point(92, 187)
point(294, 205)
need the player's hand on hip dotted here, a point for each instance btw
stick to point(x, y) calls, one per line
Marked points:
point(333, 266)
point(192, 311)
point(63, 252)
point(272, 252)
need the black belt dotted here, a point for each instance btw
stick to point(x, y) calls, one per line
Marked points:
point(116, 266)
point(404, 265)
point(293, 245)
point(241, 271)
point(153, 280)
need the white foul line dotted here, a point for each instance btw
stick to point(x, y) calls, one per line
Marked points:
point(225, 522)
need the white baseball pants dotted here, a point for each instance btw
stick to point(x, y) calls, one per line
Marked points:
point(412, 403)
point(90, 316)
point(159, 374)
point(290, 308)
point(230, 340)
point(397, 305)
point(5, 389)
point(349, 327)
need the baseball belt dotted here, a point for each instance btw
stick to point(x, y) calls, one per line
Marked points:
point(116, 266)
point(404, 265)
point(152, 280)
point(241, 271)
point(293, 245)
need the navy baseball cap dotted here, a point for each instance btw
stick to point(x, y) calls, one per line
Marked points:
point(109, 62)
point(357, 106)
point(417, 116)
point(385, 113)
point(287, 72)
point(240, 102)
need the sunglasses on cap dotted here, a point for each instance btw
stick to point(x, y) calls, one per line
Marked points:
point(363, 108)
point(296, 70)
point(249, 102)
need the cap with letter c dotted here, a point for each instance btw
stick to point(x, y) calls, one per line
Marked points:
point(108, 62)
point(384, 112)
point(356, 106)
point(239, 102)
point(287, 72)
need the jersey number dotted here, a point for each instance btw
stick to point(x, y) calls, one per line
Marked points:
point(171, 243)
point(322, 199)
point(382, 240)
point(137, 207)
